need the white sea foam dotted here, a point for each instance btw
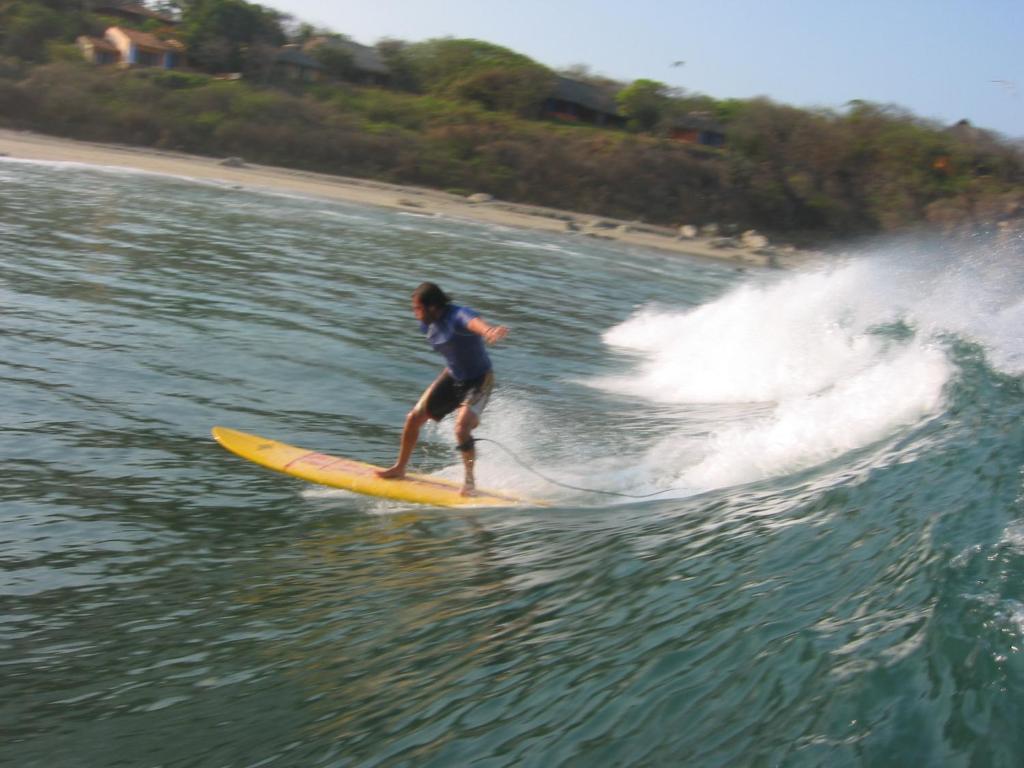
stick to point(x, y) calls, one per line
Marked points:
point(755, 344)
point(804, 431)
point(1013, 535)
point(519, 431)
point(841, 357)
point(1015, 614)
point(979, 295)
point(115, 170)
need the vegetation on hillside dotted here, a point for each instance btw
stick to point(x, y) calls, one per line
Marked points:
point(463, 115)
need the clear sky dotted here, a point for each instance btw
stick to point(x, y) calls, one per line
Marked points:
point(941, 59)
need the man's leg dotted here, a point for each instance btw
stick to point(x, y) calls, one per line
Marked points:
point(433, 398)
point(416, 418)
point(465, 423)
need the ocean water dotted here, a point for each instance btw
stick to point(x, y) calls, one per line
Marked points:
point(820, 559)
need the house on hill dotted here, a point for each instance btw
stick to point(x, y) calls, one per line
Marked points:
point(698, 128)
point(132, 48)
point(292, 64)
point(576, 101)
point(98, 50)
point(367, 66)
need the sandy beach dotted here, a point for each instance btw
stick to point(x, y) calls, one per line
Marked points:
point(33, 146)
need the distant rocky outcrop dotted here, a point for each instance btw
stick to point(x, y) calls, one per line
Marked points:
point(753, 239)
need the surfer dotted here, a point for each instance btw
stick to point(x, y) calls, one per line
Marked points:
point(457, 334)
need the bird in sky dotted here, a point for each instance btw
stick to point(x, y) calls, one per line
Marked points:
point(678, 63)
point(1009, 86)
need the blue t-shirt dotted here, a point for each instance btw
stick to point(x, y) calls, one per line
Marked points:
point(463, 350)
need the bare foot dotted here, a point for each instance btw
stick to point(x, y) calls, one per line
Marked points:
point(391, 473)
point(468, 490)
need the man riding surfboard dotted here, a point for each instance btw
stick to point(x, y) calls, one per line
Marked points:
point(458, 334)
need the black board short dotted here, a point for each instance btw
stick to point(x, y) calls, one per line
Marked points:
point(446, 394)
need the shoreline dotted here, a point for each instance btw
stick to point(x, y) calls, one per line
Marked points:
point(25, 145)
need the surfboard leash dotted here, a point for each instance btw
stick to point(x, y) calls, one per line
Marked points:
point(544, 477)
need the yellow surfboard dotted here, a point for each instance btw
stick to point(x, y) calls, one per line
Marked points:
point(339, 472)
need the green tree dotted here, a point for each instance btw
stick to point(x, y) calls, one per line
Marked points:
point(337, 62)
point(27, 27)
point(488, 74)
point(402, 73)
point(329, 50)
point(219, 32)
point(520, 90)
point(645, 103)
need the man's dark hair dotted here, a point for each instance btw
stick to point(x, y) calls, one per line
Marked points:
point(431, 295)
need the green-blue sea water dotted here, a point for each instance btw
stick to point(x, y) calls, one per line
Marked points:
point(832, 575)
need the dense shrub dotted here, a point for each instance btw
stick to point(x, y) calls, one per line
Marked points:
point(810, 174)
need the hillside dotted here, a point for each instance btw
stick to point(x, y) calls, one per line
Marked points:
point(467, 117)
